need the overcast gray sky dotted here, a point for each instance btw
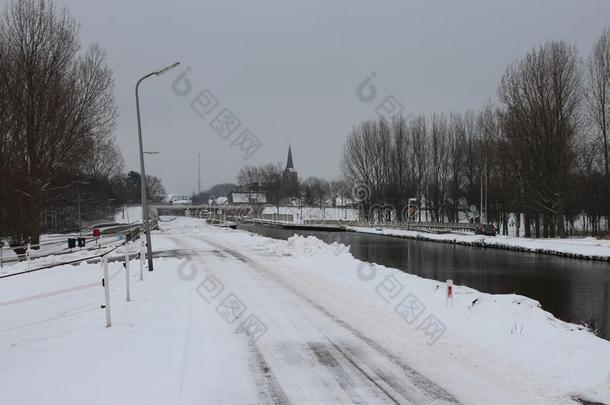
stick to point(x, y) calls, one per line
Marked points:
point(290, 69)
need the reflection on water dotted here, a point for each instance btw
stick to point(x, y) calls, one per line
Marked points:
point(571, 289)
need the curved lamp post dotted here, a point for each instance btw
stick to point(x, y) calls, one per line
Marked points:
point(145, 216)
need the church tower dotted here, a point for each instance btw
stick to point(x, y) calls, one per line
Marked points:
point(289, 162)
point(291, 177)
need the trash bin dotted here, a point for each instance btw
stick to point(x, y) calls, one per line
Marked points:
point(71, 243)
point(81, 242)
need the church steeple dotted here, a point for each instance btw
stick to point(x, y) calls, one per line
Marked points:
point(289, 162)
point(290, 177)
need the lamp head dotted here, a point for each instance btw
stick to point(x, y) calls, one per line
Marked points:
point(166, 69)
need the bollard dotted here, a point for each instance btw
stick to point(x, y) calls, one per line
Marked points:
point(127, 292)
point(27, 255)
point(106, 284)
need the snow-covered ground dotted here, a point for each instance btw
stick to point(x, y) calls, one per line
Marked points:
point(129, 214)
point(246, 319)
point(585, 248)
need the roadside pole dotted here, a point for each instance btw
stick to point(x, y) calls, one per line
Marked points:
point(141, 259)
point(481, 202)
point(127, 289)
point(106, 284)
point(27, 255)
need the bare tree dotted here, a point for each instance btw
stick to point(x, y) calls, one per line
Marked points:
point(457, 141)
point(401, 175)
point(60, 103)
point(154, 189)
point(316, 191)
point(542, 95)
point(249, 177)
point(419, 162)
point(598, 97)
point(106, 160)
point(438, 167)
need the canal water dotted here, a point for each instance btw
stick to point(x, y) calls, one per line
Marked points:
point(573, 290)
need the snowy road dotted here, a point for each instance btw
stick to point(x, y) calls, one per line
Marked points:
point(307, 355)
point(230, 317)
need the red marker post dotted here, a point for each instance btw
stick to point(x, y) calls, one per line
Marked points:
point(449, 292)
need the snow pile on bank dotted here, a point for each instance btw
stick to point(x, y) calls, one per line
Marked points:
point(311, 246)
point(586, 248)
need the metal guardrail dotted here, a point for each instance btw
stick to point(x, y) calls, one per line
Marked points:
point(123, 231)
point(433, 227)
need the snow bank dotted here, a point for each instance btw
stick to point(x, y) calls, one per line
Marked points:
point(586, 248)
point(299, 246)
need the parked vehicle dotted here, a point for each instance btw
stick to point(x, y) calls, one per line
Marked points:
point(485, 229)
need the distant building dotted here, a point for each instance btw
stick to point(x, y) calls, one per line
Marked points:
point(218, 201)
point(247, 197)
point(179, 199)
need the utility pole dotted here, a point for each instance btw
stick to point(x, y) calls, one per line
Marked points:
point(486, 183)
point(80, 221)
point(481, 203)
point(199, 173)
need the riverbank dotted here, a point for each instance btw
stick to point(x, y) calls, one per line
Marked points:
point(585, 248)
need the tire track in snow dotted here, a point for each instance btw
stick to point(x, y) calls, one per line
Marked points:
point(269, 389)
point(424, 386)
point(329, 361)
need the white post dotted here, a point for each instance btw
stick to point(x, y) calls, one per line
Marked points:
point(106, 281)
point(27, 255)
point(141, 260)
point(127, 291)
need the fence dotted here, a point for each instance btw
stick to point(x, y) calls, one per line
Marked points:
point(100, 254)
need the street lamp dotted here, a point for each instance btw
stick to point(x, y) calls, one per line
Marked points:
point(145, 216)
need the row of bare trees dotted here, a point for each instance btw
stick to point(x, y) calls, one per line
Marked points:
point(281, 188)
point(270, 179)
point(542, 150)
point(57, 113)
